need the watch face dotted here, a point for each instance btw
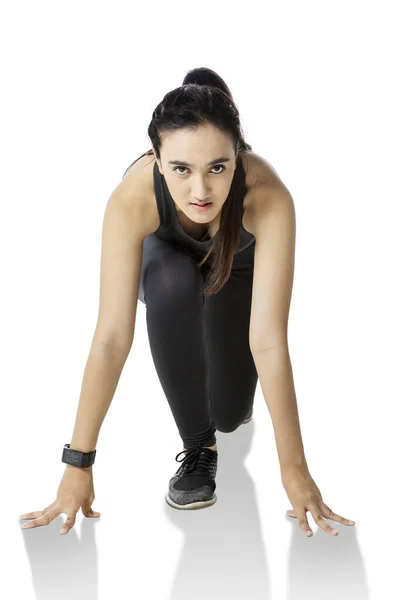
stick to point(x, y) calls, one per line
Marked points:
point(74, 458)
point(77, 458)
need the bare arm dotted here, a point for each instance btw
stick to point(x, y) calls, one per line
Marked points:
point(274, 369)
point(102, 372)
point(121, 258)
point(124, 229)
point(274, 226)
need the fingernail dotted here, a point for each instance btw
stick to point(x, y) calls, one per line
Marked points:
point(334, 531)
point(351, 522)
point(63, 530)
point(309, 533)
point(25, 525)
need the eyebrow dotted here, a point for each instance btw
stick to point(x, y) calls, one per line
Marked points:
point(186, 164)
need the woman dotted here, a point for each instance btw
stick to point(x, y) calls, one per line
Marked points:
point(202, 231)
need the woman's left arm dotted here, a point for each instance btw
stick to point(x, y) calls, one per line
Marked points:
point(272, 220)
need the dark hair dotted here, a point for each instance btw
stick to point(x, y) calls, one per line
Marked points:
point(203, 98)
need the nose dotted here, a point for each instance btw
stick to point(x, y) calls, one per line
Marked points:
point(201, 198)
point(200, 193)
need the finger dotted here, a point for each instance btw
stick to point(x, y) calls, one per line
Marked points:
point(38, 513)
point(69, 523)
point(320, 521)
point(43, 519)
point(327, 512)
point(91, 513)
point(32, 515)
point(301, 515)
point(88, 512)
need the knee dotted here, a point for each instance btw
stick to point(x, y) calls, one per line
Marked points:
point(227, 421)
point(226, 425)
point(171, 278)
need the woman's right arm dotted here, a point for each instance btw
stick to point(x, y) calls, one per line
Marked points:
point(121, 260)
point(123, 233)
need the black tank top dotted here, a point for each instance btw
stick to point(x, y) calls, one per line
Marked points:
point(170, 228)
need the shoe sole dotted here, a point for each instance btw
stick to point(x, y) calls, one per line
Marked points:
point(192, 505)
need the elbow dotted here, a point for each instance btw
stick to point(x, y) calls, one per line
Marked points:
point(120, 347)
point(263, 346)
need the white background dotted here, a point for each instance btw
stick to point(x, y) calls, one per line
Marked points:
point(316, 87)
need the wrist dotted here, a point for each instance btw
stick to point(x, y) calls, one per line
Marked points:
point(82, 447)
point(295, 468)
point(69, 467)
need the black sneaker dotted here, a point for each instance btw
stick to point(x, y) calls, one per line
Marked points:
point(248, 418)
point(193, 485)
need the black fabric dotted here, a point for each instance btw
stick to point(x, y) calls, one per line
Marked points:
point(200, 345)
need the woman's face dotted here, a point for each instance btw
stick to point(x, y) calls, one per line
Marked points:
point(198, 181)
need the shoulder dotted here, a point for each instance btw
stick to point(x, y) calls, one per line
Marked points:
point(140, 173)
point(258, 170)
point(266, 193)
point(137, 187)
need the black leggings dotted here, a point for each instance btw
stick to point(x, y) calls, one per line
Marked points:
point(200, 345)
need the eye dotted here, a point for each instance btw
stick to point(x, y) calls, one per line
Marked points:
point(214, 167)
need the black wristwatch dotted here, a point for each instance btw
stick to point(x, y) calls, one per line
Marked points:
point(77, 458)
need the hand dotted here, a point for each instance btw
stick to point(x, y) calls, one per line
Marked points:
point(304, 495)
point(75, 491)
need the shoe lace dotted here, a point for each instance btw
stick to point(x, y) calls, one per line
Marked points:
point(196, 461)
